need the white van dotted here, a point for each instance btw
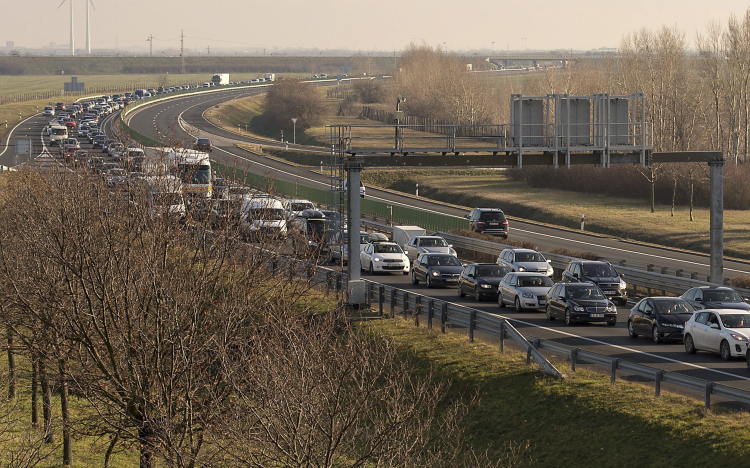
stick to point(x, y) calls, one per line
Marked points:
point(57, 133)
point(263, 217)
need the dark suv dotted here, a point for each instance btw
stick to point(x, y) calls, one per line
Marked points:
point(488, 221)
point(580, 302)
point(602, 274)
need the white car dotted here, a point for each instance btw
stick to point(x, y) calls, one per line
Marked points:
point(427, 244)
point(49, 111)
point(384, 257)
point(297, 206)
point(525, 260)
point(723, 331)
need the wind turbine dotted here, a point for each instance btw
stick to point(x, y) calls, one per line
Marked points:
point(72, 41)
point(88, 34)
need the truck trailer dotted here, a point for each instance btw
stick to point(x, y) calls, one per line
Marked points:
point(220, 79)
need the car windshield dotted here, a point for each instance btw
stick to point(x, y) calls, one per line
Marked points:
point(584, 292)
point(273, 214)
point(538, 281)
point(491, 271)
point(203, 141)
point(599, 270)
point(438, 242)
point(189, 174)
point(444, 260)
point(364, 238)
point(735, 320)
point(529, 257)
point(302, 206)
point(673, 307)
point(386, 248)
point(721, 295)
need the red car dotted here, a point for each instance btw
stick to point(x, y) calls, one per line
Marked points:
point(71, 124)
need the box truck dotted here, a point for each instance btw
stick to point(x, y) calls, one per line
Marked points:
point(220, 79)
point(403, 234)
point(270, 77)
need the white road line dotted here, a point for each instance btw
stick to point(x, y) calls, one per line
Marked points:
point(7, 138)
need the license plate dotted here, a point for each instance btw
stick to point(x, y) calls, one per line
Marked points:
point(452, 280)
point(597, 315)
point(611, 293)
point(494, 224)
point(542, 302)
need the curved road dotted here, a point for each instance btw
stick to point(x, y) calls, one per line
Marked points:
point(168, 119)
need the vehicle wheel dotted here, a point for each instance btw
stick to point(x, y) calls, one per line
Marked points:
point(500, 301)
point(477, 296)
point(550, 317)
point(518, 305)
point(429, 282)
point(622, 302)
point(726, 353)
point(689, 345)
point(655, 334)
point(568, 319)
point(460, 291)
point(414, 279)
point(631, 330)
point(372, 270)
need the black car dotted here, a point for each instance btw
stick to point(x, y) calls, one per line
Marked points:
point(480, 280)
point(203, 144)
point(661, 318)
point(488, 221)
point(603, 274)
point(721, 297)
point(436, 270)
point(580, 302)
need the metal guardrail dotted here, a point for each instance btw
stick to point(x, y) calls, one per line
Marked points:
point(387, 299)
point(644, 278)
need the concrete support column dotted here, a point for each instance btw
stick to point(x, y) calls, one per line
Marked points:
point(717, 221)
point(356, 287)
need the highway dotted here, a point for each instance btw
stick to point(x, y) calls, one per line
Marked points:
point(170, 118)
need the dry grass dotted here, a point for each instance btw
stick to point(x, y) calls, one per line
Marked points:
point(621, 217)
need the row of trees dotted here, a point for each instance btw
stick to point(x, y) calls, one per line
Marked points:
point(188, 346)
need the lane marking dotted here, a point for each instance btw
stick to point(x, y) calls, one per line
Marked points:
point(10, 133)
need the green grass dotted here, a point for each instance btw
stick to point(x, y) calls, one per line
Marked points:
point(620, 217)
point(581, 421)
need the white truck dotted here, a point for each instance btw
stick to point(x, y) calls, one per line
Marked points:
point(270, 77)
point(192, 167)
point(403, 234)
point(164, 195)
point(220, 79)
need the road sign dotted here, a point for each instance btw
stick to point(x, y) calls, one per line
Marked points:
point(23, 147)
point(294, 120)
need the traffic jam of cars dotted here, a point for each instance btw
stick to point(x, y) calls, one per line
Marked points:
point(713, 319)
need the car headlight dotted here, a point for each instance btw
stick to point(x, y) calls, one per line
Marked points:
point(738, 337)
point(623, 284)
point(528, 295)
point(578, 308)
point(376, 259)
point(453, 252)
point(485, 286)
point(611, 308)
point(435, 273)
point(521, 269)
point(673, 325)
point(550, 270)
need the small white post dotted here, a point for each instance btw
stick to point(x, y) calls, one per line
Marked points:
point(417, 191)
point(321, 166)
point(582, 221)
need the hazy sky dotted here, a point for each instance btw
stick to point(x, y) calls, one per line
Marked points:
point(355, 24)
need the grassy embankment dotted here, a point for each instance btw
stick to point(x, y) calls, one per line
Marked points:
point(581, 421)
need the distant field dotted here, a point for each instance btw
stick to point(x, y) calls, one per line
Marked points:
point(621, 217)
point(36, 65)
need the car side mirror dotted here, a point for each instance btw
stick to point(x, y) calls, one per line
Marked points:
point(549, 261)
point(562, 298)
point(715, 326)
point(466, 216)
point(464, 265)
point(450, 245)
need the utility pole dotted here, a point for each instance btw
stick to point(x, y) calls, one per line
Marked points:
point(150, 45)
point(182, 51)
point(208, 50)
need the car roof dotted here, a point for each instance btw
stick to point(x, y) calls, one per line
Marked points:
point(483, 264)
point(712, 288)
point(596, 262)
point(580, 283)
point(387, 243)
point(535, 273)
point(519, 249)
point(726, 311)
point(489, 209)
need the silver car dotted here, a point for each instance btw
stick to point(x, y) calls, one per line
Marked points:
point(525, 260)
point(524, 290)
point(427, 244)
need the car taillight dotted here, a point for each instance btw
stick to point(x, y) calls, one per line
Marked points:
point(505, 223)
point(481, 222)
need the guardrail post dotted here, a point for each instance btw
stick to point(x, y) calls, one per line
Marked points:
point(694, 275)
point(709, 390)
point(472, 324)
point(405, 308)
point(502, 336)
point(573, 359)
point(329, 281)
point(613, 376)
point(663, 270)
point(528, 355)
point(678, 272)
point(430, 313)
point(381, 299)
point(658, 377)
point(536, 342)
point(393, 303)
point(443, 316)
point(650, 267)
point(621, 263)
point(417, 309)
point(338, 282)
